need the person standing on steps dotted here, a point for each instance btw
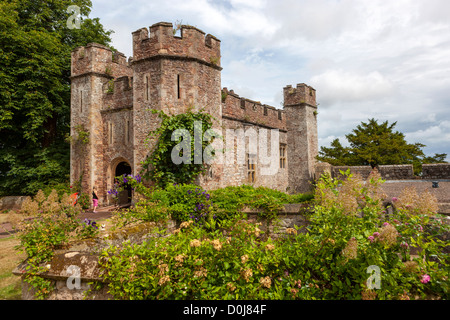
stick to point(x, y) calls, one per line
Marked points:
point(94, 199)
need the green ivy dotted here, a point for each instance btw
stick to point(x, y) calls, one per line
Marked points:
point(159, 167)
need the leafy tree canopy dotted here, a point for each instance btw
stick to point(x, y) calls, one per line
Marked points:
point(374, 143)
point(35, 52)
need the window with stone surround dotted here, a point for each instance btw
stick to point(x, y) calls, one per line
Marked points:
point(110, 132)
point(178, 87)
point(251, 168)
point(282, 156)
point(127, 131)
point(147, 87)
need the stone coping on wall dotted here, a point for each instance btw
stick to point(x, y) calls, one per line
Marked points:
point(59, 266)
point(82, 256)
point(85, 253)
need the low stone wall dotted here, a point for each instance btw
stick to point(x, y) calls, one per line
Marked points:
point(436, 171)
point(79, 260)
point(388, 172)
point(11, 202)
point(363, 171)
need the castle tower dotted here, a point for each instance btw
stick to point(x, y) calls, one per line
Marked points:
point(93, 68)
point(301, 122)
point(172, 73)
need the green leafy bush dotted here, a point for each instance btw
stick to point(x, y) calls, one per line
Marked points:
point(348, 238)
point(184, 202)
point(84, 201)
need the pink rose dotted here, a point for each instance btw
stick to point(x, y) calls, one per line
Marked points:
point(371, 238)
point(425, 278)
point(376, 234)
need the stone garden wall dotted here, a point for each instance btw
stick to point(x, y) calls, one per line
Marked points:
point(389, 172)
point(436, 171)
point(72, 269)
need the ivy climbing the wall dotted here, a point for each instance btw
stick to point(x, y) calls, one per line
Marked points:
point(180, 145)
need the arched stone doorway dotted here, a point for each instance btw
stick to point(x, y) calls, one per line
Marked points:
point(124, 196)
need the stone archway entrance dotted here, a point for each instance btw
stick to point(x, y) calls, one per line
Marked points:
point(124, 196)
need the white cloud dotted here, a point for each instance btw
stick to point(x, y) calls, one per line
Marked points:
point(367, 59)
point(344, 86)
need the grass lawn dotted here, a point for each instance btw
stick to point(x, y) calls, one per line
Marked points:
point(10, 285)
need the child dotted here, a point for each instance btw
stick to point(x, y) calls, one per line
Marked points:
point(94, 199)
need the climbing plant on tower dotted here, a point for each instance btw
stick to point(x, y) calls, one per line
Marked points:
point(179, 148)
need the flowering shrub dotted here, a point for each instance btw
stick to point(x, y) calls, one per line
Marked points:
point(88, 229)
point(349, 236)
point(46, 224)
point(183, 202)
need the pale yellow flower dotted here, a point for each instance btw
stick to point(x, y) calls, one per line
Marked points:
point(265, 282)
point(163, 268)
point(350, 250)
point(195, 243)
point(202, 272)
point(244, 258)
point(270, 246)
point(231, 287)
point(291, 231)
point(180, 257)
point(388, 235)
point(216, 244)
point(247, 274)
point(163, 280)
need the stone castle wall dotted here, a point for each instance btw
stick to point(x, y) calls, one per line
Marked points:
point(113, 100)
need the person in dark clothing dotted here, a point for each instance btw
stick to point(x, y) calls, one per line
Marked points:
point(94, 199)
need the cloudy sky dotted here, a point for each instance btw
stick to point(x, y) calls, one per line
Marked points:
point(388, 60)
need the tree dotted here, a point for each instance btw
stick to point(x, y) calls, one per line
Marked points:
point(35, 52)
point(376, 144)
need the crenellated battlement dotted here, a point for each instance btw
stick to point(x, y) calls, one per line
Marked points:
point(159, 41)
point(302, 94)
point(99, 59)
point(242, 109)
